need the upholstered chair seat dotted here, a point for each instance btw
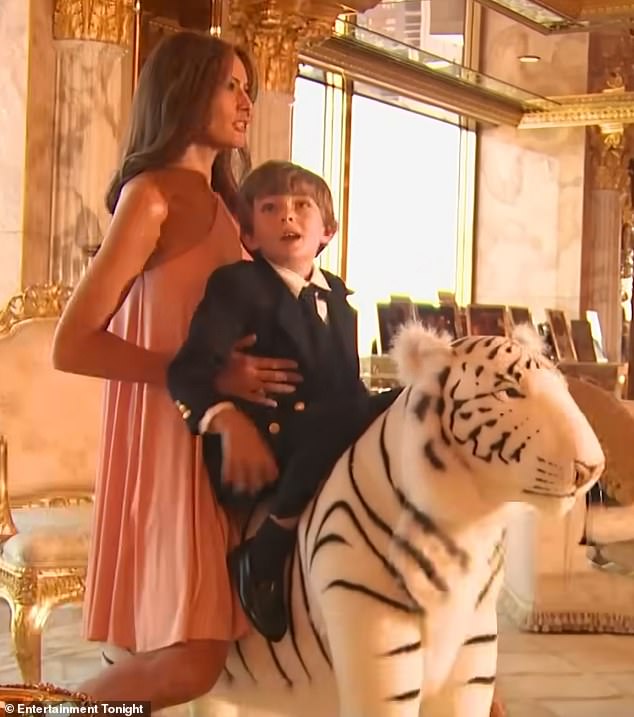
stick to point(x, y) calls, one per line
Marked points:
point(49, 434)
point(49, 537)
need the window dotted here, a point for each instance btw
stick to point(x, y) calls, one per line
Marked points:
point(399, 170)
point(436, 26)
point(403, 208)
point(317, 140)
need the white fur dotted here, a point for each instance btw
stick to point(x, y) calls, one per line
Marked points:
point(419, 353)
point(526, 335)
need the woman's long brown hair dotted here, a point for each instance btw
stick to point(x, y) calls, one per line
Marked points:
point(171, 108)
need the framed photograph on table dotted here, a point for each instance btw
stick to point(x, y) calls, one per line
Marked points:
point(562, 338)
point(486, 320)
point(391, 317)
point(439, 318)
point(581, 333)
point(520, 315)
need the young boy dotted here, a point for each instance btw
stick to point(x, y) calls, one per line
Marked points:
point(297, 312)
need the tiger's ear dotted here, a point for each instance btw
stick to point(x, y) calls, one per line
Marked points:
point(420, 353)
point(527, 336)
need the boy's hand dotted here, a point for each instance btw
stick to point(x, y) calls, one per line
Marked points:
point(248, 463)
point(253, 377)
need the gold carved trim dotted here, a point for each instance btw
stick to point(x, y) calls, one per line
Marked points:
point(32, 593)
point(583, 111)
point(276, 31)
point(108, 21)
point(41, 301)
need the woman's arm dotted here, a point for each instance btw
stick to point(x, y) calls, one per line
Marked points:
point(82, 342)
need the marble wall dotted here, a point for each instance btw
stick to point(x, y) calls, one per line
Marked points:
point(530, 182)
point(93, 92)
point(14, 47)
point(63, 108)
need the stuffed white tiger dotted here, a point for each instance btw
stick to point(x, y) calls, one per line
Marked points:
point(393, 584)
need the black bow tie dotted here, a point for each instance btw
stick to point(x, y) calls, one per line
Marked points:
point(312, 292)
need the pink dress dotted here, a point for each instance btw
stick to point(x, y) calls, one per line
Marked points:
point(157, 569)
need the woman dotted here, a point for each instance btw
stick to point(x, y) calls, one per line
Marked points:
point(157, 582)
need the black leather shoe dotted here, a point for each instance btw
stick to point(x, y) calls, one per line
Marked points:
point(263, 600)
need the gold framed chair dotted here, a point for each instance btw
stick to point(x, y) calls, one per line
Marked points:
point(49, 432)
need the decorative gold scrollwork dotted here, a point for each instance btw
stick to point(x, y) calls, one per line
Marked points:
point(276, 31)
point(35, 302)
point(108, 21)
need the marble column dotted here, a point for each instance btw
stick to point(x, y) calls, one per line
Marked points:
point(602, 280)
point(93, 91)
point(14, 38)
point(275, 32)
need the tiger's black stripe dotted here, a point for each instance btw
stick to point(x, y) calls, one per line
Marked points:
point(485, 590)
point(482, 680)
point(313, 628)
point(385, 458)
point(423, 521)
point(403, 649)
point(364, 590)
point(244, 662)
point(423, 563)
point(278, 664)
point(422, 406)
point(430, 455)
point(326, 540)
point(291, 618)
point(404, 696)
point(481, 639)
point(345, 507)
point(106, 658)
point(391, 570)
point(309, 525)
point(228, 673)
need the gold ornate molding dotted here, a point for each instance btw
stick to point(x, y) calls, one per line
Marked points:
point(604, 108)
point(276, 31)
point(609, 159)
point(35, 302)
point(108, 21)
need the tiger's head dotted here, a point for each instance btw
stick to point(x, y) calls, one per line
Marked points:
point(497, 415)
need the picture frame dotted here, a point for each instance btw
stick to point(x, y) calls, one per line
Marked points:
point(440, 318)
point(581, 332)
point(597, 335)
point(487, 320)
point(519, 315)
point(391, 316)
point(562, 338)
point(446, 298)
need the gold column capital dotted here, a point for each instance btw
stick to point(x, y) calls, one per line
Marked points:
point(609, 157)
point(276, 31)
point(608, 146)
point(107, 21)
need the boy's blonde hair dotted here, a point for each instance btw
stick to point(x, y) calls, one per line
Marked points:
point(274, 178)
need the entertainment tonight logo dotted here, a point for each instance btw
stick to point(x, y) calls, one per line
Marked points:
point(68, 709)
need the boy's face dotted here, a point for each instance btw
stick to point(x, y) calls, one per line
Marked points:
point(288, 229)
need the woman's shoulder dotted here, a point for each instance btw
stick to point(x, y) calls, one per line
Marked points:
point(145, 192)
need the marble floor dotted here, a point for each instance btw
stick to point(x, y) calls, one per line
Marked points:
point(540, 675)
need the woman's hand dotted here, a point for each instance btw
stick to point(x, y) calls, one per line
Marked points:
point(248, 463)
point(253, 377)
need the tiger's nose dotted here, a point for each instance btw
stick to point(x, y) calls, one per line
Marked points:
point(586, 473)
